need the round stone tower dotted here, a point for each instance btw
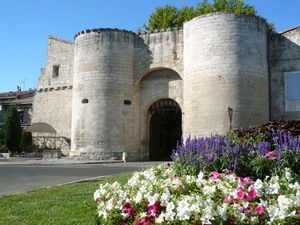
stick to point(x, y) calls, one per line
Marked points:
point(225, 73)
point(102, 92)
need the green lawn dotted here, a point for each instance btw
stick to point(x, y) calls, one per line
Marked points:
point(59, 205)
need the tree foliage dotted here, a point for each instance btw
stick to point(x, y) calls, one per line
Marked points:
point(185, 14)
point(1, 137)
point(12, 131)
point(170, 16)
point(163, 17)
point(26, 141)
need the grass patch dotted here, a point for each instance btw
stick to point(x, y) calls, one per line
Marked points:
point(59, 205)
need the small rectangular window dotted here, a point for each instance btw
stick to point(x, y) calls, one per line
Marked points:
point(55, 71)
point(293, 85)
point(292, 91)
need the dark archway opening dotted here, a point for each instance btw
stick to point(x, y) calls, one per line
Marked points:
point(165, 128)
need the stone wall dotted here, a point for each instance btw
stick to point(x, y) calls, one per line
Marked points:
point(103, 81)
point(53, 99)
point(54, 107)
point(158, 71)
point(161, 49)
point(225, 66)
point(284, 58)
point(59, 53)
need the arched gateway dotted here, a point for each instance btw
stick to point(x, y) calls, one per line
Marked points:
point(165, 128)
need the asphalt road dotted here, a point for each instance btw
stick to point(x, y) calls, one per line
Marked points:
point(18, 178)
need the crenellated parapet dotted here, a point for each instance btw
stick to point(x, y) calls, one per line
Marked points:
point(60, 39)
point(159, 31)
point(101, 30)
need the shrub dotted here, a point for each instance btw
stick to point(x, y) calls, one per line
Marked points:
point(3, 149)
point(266, 130)
point(26, 141)
point(1, 137)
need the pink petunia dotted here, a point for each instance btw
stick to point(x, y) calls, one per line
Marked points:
point(246, 180)
point(137, 222)
point(128, 209)
point(154, 210)
point(227, 171)
point(240, 193)
point(271, 155)
point(215, 175)
point(252, 193)
point(230, 199)
point(259, 209)
point(145, 221)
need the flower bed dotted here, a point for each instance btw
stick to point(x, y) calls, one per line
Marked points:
point(246, 177)
point(246, 156)
point(159, 196)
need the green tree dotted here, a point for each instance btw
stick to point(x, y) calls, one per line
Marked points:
point(162, 18)
point(237, 7)
point(203, 8)
point(185, 14)
point(26, 141)
point(169, 16)
point(1, 137)
point(12, 131)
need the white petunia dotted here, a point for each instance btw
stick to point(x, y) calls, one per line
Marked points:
point(96, 195)
point(183, 210)
point(209, 190)
point(176, 182)
point(258, 186)
point(273, 186)
point(200, 181)
point(189, 179)
point(287, 174)
point(222, 211)
point(160, 218)
point(153, 198)
point(109, 204)
point(138, 197)
point(170, 214)
point(165, 198)
point(207, 215)
point(284, 202)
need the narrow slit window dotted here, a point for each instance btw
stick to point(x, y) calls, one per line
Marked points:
point(55, 71)
point(85, 101)
point(127, 102)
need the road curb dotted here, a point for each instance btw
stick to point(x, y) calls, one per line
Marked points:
point(19, 161)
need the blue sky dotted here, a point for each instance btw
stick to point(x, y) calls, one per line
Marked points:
point(26, 24)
